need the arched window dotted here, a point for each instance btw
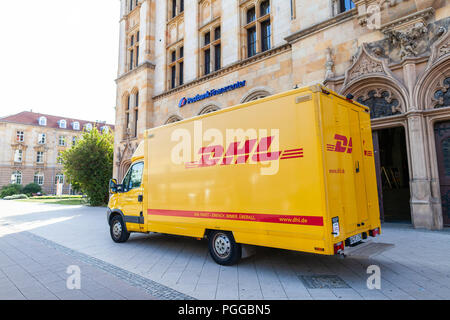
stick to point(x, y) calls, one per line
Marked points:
point(173, 119)
point(42, 121)
point(76, 125)
point(255, 95)
point(62, 124)
point(88, 126)
point(16, 177)
point(209, 109)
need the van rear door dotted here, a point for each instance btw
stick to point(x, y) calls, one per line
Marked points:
point(358, 168)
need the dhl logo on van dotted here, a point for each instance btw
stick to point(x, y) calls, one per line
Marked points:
point(343, 144)
point(216, 155)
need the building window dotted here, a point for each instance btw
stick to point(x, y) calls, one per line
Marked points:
point(251, 41)
point(217, 33)
point(173, 73)
point(62, 141)
point(176, 66)
point(41, 138)
point(18, 156)
point(16, 177)
point(20, 136)
point(345, 5)
point(40, 157)
point(207, 38)
point(42, 121)
point(62, 124)
point(74, 141)
point(133, 50)
point(131, 59)
point(211, 49)
point(257, 29)
point(88, 127)
point(264, 8)
point(265, 35)
point(39, 178)
point(59, 160)
point(207, 62)
point(293, 10)
point(59, 178)
point(217, 57)
point(76, 125)
point(251, 15)
point(136, 113)
point(176, 7)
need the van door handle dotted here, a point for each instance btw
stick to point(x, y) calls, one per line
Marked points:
point(357, 166)
point(140, 198)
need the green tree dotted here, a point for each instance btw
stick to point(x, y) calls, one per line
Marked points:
point(89, 165)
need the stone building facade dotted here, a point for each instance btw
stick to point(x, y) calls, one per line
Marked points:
point(30, 145)
point(391, 55)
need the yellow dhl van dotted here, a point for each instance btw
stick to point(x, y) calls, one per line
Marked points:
point(293, 171)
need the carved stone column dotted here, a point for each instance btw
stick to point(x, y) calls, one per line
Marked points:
point(420, 181)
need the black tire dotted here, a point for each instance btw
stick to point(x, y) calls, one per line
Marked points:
point(223, 248)
point(118, 230)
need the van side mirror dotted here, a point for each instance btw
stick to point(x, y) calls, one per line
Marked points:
point(113, 186)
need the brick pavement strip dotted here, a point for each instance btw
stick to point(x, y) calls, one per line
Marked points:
point(22, 277)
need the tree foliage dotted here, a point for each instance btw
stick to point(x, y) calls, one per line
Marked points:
point(89, 165)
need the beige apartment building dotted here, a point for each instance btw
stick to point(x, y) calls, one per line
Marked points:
point(30, 145)
point(182, 58)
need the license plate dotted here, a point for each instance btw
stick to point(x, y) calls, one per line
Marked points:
point(355, 239)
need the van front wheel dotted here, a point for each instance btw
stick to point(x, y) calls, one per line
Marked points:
point(223, 248)
point(118, 230)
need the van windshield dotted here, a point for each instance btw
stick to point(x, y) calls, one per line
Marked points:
point(133, 178)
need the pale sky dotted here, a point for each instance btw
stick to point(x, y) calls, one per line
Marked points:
point(59, 57)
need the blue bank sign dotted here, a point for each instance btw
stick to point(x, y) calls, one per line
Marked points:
point(211, 93)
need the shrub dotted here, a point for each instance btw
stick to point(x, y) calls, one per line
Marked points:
point(16, 197)
point(32, 188)
point(10, 189)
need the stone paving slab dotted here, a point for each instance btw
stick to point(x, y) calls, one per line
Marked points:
point(172, 267)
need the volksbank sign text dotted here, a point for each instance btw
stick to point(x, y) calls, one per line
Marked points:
point(211, 93)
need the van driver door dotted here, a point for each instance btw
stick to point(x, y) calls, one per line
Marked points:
point(132, 197)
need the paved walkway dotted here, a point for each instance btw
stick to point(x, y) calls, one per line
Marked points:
point(32, 268)
point(171, 267)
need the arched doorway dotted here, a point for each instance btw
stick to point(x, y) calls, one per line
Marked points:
point(387, 106)
point(442, 136)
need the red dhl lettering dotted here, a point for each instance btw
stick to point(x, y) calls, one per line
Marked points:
point(343, 144)
point(240, 153)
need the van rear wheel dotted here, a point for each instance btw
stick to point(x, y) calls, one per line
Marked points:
point(223, 248)
point(118, 230)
